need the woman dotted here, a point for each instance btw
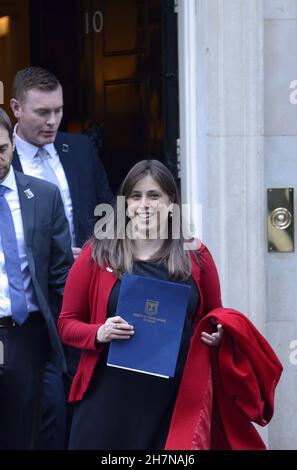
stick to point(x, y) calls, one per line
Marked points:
point(121, 409)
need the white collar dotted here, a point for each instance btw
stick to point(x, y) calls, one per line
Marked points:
point(27, 150)
point(9, 181)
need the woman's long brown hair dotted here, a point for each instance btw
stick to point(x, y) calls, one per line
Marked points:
point(117, 252)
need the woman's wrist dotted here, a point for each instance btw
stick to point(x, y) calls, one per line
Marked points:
point(99, 336)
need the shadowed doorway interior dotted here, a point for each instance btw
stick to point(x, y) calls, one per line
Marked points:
point(117, 61)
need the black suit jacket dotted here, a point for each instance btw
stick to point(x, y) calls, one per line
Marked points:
point(48, 248)
point(87, 180)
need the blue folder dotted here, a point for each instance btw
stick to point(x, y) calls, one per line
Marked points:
point(157, 310)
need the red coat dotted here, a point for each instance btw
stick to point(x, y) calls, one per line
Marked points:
point(233, 386)
point(84, 310)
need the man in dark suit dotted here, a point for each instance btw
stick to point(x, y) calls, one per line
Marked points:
point(69, 161)
point(35, 257)
point(37, 103)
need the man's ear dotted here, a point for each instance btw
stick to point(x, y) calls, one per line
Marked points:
point(16, 107)
point(13, 143)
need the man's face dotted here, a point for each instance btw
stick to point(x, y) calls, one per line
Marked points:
point(6, 153)
point(39, 115)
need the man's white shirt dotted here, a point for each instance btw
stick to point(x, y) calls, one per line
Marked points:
point(27, 152)
point(12, 198)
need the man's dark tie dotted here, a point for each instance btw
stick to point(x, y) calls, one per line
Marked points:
point(12, 261)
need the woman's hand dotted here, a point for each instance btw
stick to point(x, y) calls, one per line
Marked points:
point(215, 338)
point(114, 328)
point(76, 252)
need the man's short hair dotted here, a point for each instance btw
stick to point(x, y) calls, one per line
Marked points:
point(33, 77)
point(5, 122)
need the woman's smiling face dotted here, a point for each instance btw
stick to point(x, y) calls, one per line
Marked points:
point(148, 207)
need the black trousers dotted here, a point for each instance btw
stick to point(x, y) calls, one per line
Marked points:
point(25, 352)
point(52, 432)
point(56, 414)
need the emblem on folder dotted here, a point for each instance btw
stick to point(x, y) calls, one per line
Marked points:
point(151, 307)
point(29, 193)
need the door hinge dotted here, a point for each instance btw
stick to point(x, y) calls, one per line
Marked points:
point(178, 158)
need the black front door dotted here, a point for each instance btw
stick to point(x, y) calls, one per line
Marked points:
point(117, 61)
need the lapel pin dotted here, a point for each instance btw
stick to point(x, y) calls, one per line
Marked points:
point(65, 148)
point(29, 193)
